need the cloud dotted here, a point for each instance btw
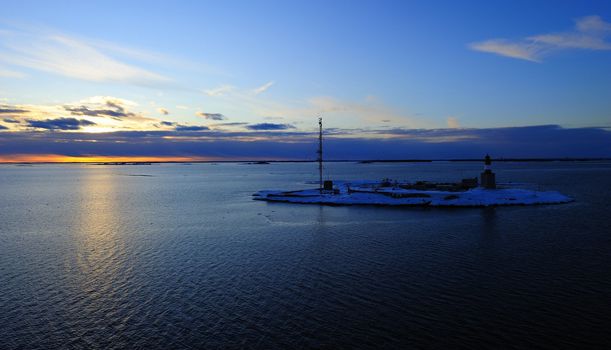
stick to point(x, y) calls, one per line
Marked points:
point(107, 107)
point(261, 89)
point(2, 127)
point(589, 33)
point(10, 120)
point(399, 143)
point(163, 111)
point(5, 109)
point(219, 91)
point(230, 124)
point(269, 126)
point(191, 128)
point(211, 116)
point(68, 56)
point(114, 110)
point(60, 124)
point(115, 114)
point(453, 123)
point(111, 101)
point(369, 111)
point(82, 110)
point(165, 123)
point(593, 24)
point(109, 114)
point(525, 51)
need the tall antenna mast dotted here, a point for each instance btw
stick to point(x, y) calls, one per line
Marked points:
point(320, 153)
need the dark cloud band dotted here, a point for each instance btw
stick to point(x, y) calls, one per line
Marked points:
point(530, 142)
point(12, 110)
point(269, 126)
point(59, 124)
point(191, 128)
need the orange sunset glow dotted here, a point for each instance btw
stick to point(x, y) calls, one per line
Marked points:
point(58, 158)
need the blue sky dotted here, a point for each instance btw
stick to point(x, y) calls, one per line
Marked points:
point(371, 68)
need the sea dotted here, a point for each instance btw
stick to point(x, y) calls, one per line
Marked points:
point(179, 256)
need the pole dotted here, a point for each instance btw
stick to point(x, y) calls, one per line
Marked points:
point(320, 154)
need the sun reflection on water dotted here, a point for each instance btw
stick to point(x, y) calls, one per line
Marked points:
point(100, 246)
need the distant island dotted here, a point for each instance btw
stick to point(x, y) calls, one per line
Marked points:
point(361, 161)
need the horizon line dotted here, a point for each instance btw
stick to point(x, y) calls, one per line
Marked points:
point(184, 160)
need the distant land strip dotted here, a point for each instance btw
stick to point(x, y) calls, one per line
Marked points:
point(366, 161)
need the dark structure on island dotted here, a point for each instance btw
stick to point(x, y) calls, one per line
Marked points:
point(326, 185)
point(487, 178)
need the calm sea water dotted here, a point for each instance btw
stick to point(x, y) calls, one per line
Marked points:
point(178, 256)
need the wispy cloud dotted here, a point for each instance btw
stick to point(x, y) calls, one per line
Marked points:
point(211, 116)
point(261, 89)
point(269, 126)
point(163, 111)
point(525, 50)
point(370, 111)
point(367, 112)
point(589, 33)
point(219, 91)
point(61, 54)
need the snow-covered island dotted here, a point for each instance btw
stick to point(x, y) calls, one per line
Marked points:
point(406, 194)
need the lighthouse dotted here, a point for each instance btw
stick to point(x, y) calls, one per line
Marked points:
point(487, 177)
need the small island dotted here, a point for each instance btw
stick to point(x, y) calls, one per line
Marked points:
point(466, 193)
point(376, 193)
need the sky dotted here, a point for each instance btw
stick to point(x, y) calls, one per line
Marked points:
point(234, 80)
